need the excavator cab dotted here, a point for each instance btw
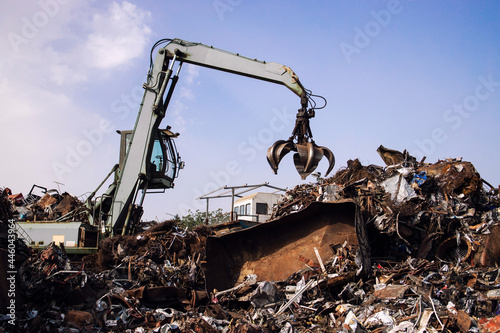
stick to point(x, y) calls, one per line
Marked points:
point(164, 162)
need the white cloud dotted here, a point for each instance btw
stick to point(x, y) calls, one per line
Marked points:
point(119, 35)
point(14, 104)
point(43, 116)
point(192, 74)
point(64, 74)
point(177, 109)
point(186, 93)
point(39, 125)
point(75, 41)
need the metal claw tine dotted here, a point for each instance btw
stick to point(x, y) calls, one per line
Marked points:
point(271, 154)
point(308, 158)
point(314, 156)
point(270, 159)
point(283, 149)
point(299, 166)
point(276, 152)
point(331, 158)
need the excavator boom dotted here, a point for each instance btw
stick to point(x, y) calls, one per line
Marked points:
point(211, 57)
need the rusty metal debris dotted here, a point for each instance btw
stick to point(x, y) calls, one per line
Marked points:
point(44, 206)
point(408, 247)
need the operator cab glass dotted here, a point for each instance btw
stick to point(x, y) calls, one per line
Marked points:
point(157, 157)
point(164, 162)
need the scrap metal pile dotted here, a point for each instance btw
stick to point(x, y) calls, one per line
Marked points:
point(49, 205)
point(426, 259)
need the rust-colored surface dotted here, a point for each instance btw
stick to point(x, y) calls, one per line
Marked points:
point(454, 178)
point(490, 325)
point(391, 292)
point(464, 321)
point(273, 250)
point(67, 204)
point(279, 265)
point(490, 256)
point(46, 201)
point(79, 318)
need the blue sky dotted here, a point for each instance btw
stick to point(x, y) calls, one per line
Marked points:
point(417, 75)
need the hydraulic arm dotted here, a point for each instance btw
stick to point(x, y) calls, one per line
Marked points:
point(150, 160)
point(308, 154)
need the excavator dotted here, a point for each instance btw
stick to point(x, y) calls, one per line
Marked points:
point(149, 160)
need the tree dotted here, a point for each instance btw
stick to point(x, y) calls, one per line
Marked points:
point(192, 219)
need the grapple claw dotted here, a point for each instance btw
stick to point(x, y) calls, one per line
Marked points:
point(308, 154)
point(306, 158)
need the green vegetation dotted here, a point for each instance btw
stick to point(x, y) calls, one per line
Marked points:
point(193, 219)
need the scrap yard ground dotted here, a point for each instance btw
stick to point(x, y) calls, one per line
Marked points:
point(424, 256)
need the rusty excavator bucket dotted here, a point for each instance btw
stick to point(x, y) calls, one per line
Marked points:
point(307, 153)
point(273, 250)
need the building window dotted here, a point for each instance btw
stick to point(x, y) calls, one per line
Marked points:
point(247, 209)
point(261, 208)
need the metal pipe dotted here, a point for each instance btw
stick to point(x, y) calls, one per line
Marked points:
point(163, 86)
point(232, 204)
point(206, 215)
point(129, 212)
point(175, 78)
point(102, 183)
